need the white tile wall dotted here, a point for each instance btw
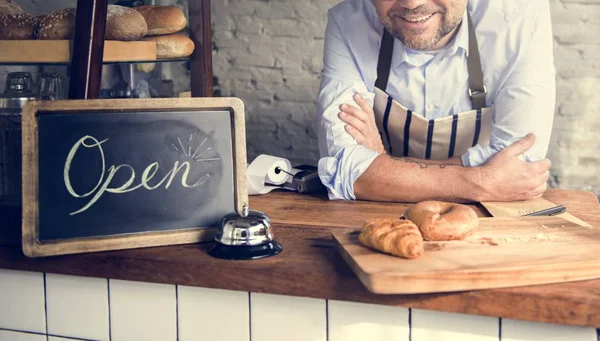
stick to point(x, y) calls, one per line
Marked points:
point(351, 321)
point(213, 313)
point(276, 317)
point(515, 330)
point(428, 325)
point(7, 335)
point(77, 306)
point(22, 301)
point(77, 310)
point(142, 311)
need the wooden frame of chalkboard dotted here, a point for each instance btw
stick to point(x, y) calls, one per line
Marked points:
point(34, 246)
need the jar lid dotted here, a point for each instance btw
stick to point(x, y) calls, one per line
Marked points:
point(14, 102)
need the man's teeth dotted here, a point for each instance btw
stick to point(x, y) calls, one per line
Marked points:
point(419, 19)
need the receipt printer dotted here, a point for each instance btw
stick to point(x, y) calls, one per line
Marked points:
point(304, 179)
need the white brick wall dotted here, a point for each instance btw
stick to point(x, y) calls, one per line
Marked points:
point(270, 55)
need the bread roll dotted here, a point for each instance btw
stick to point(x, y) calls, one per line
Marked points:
point(17, 26)
point(163, 19)
point(122, 23)
point(145, 67)
point(443, 221)
point(172, 45)
point(57, 25)
point(9, 7)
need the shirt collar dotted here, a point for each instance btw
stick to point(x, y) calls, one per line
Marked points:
point(415, 58)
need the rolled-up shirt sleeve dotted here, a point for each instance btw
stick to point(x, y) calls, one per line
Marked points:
point(343, 160)
point(526, 101)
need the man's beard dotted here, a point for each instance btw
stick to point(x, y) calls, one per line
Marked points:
point(419, 40)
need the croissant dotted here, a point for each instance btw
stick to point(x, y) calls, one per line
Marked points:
point(394, 236)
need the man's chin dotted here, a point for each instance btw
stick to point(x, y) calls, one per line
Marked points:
point(420, 43)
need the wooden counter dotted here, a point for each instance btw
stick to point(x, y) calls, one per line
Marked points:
point(310, 267)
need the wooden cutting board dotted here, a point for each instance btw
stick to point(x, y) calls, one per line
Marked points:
point(504, 252)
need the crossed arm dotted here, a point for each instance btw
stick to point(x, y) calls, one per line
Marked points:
point(503, 178)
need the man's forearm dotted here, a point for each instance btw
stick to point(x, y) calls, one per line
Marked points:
point(412, 180)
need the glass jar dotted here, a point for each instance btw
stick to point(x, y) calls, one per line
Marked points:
point(18, 92)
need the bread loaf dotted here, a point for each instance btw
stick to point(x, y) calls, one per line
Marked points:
point(57, 25)
point(122, 23)
point(9, 7)
point(17, 26)
point(394, 236)
point(163, 19)
point(145, 67)
point(172, 45)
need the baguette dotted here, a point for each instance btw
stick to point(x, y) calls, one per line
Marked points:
point(394, 236)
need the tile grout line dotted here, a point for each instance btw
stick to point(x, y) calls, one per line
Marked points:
point(409, 324)
point(42, 334)
point(327, 319)
point(109, 314)
point(177, 311)
point(249, 316)
point(47, 335)
point(499, 328)
point(46, 307)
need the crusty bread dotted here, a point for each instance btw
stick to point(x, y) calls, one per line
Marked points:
point(163, 19)
point(122, 23)
point(9, 7)
point(57, 25)
point(174, 45)
point(17, 26)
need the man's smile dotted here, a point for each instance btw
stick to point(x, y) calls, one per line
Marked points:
point(418, 19)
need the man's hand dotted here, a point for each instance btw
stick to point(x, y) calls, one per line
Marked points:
point(507, 178)
point(361, 124)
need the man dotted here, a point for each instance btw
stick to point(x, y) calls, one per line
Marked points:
point(436, 99)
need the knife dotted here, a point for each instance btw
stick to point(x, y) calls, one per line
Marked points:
point(549, 211)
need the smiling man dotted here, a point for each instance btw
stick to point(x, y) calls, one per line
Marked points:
point(436, 99)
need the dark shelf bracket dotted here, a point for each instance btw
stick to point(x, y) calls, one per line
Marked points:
point(88, 49)
point(201, 73)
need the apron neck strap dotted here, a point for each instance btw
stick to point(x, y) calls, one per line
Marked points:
point(477, 90)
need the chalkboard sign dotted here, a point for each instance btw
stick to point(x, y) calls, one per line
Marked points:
point(114, 174)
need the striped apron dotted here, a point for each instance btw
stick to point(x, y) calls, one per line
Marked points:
point(405, 133)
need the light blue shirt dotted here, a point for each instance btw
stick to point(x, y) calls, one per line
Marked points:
point(515, 44)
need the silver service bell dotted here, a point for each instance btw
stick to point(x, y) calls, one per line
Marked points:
point(245, 237)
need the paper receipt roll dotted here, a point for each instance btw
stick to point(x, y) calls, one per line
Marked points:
point(263, 176)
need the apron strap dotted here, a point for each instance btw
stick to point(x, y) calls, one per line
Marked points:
point(385, 60)
point(477, 90)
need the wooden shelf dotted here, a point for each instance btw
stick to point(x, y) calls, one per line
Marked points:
point(59, 51)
